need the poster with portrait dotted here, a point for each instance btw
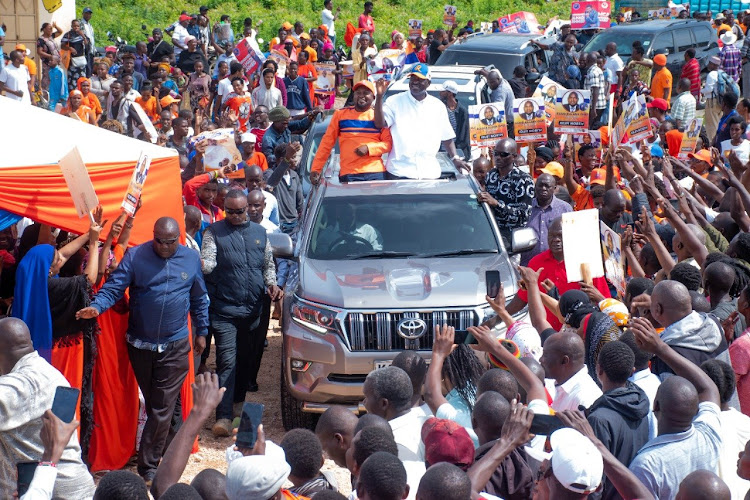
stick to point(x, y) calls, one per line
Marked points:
point(690, 138)
point(486, 27)
point(589, 15)
point(520, 22)
point(449, 15)
point(640, 127)
point(581, 244)
point(631, 109)
point(282, 60)
point(135, 187)
point(487, 124)
point(529, 119)
point(590, 138)
point(547, 89)
point(415, 28)
point(572, 109)
point(326, 82)
point(386, 64)
point(221, 148)
point(612, 255)
point(249, 58)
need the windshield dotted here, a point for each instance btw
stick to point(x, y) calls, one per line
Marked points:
point(399, 226)
point(623, 39)
point(504, 62)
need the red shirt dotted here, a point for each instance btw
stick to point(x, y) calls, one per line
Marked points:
point(555, 271)
point(366, 23)
point(692, 71)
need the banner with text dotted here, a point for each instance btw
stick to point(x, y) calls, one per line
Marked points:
point(589, 15)
point(529, 119)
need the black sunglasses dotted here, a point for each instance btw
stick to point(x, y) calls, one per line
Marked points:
point(235, 211)
point(162, 241)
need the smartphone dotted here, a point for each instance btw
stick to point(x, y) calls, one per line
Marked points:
point(545, 424)
point(25, 475)
point(492, 280)
point(65, 403)
point(252, 416)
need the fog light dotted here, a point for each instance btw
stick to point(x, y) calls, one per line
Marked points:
point(300, 366)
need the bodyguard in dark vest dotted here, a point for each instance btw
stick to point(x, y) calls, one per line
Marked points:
point(239, 270)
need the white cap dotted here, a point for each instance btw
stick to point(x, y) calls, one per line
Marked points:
point(248, 137)
point(450, 86)
point(576, 463)
point(256, 477)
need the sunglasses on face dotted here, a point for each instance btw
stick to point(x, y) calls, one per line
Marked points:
point(163, 241)
point(235, 211)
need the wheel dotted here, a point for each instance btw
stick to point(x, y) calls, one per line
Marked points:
point(292, 415)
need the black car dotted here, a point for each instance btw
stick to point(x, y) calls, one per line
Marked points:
point(505, 51)
point(672, 37)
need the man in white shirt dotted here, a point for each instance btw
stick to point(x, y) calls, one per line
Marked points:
point(254, 180)
point(328, 19)
point(388, 393)
point(179, 34)
point(414, 145)
point(563, 362)
point(88, 30)
point(614, 65)
point(15, 79)
point(256, 204)
point(713, 107)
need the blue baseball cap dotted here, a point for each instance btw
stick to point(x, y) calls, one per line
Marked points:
point(657, 151)
point(88, 10)
point(421, 70)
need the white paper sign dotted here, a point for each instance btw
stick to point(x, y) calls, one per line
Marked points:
point(581, 244)
point(79, 183)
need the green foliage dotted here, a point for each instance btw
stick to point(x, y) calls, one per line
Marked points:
point(125, 17)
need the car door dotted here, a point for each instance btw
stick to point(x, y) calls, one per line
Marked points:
point(706, 43)
point(683, 40)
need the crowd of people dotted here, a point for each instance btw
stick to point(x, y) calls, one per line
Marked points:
point(642, 393)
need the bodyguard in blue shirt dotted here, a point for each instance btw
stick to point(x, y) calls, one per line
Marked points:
point(166, 283)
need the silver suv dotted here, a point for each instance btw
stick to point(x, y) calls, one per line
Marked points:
point(381, 263)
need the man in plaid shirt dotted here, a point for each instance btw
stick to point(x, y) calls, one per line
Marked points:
point(683, 106)
point(731, 59)
point(596, 83)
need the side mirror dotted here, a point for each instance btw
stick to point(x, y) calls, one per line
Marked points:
point(523, 239)
point(281, 245)
point(532, 77)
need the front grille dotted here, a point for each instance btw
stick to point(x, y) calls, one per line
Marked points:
point(376, 331)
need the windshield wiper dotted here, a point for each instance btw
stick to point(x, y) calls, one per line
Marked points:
point(455, 253)
point(380, 255)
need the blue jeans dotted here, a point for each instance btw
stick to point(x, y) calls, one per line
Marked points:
point(285, 266)
point(226, 332)
point(372, 176)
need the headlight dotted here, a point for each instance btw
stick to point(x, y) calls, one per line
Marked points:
point(315, 318)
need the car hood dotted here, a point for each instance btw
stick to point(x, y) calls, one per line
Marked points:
point(401, 283)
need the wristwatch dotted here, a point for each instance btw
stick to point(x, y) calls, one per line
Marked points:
point(456, 157)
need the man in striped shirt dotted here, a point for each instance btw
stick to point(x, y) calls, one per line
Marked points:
point(361, 143)
point(692, 71)
point(683, 106)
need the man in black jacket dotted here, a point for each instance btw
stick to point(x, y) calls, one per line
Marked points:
point(458, 116)
point(620, 416)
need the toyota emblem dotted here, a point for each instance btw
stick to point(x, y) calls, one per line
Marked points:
point(411, 328)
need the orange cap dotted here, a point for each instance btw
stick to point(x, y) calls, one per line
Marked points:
point(598, 176)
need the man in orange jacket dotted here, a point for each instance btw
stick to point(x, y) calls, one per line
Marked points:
point(361, 143)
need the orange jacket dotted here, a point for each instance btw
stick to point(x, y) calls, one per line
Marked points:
point(354, 129)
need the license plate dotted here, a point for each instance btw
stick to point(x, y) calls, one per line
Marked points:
point(382, 364)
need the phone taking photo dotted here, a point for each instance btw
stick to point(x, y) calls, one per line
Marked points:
point(492, 280)
point(252, 416)
point(545, 424)
point(25, 471)
point(65, 403)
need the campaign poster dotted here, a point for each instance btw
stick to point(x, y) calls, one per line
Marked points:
point(246, 56)
point(326, 82)
point(486, 27)
point(589, 15)
point(387, 62)
point(79, 183)
point(449, 15)
point(572, 111)
point(282, 60)
point(581, 244)
point(629, 115)
point(520, 22)
point(347, 70)
point(640, 127)
point(590, 138)
point(547, 89)
point(613, 258)
point(690, 138)
point(135, 187)
point(415, 28)
point(529, 119)
point(487, 124)
point(221, 148)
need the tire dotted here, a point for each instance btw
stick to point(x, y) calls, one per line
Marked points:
point(292, 415)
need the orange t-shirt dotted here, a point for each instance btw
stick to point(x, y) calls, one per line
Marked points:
point(661, 81)
point(243, 106)
point(582, 198)
point(149, 106)
point(92, 102)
